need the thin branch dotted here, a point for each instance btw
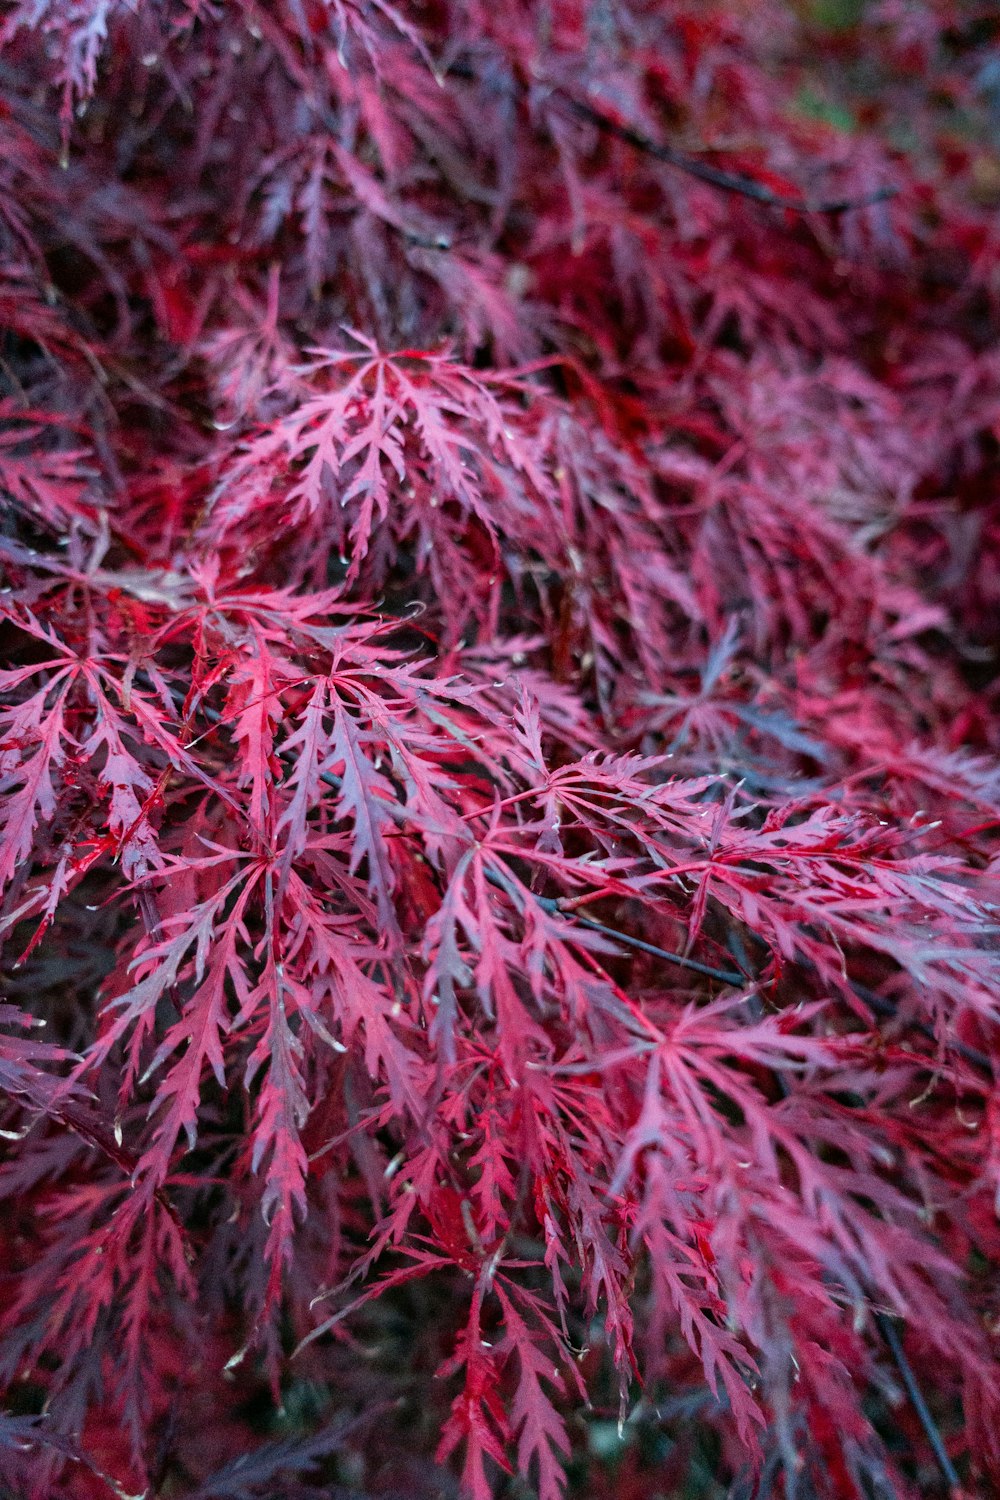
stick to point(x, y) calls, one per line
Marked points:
point(725, 976)
point(727, 182)
point(890, 1333)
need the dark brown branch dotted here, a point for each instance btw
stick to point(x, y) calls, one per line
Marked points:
point(894, 1343)
point(725, 976)
point(727, 182)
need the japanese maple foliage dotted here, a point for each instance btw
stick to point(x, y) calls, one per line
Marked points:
point(499, 733)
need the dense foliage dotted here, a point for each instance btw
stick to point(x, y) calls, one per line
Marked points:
point(498, 748)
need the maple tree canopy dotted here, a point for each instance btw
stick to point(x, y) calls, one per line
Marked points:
point(499, 717)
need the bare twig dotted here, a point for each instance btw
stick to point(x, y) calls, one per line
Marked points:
point(894, 1343)
point(725, 976)
point(727, 182)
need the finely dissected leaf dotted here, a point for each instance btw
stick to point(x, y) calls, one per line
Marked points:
point(32, 751)
point(199, 1032)
point(541, 1431)
point(362, 797)
point(477, 1418)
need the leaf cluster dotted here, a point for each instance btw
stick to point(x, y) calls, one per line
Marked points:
point(498, 750)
